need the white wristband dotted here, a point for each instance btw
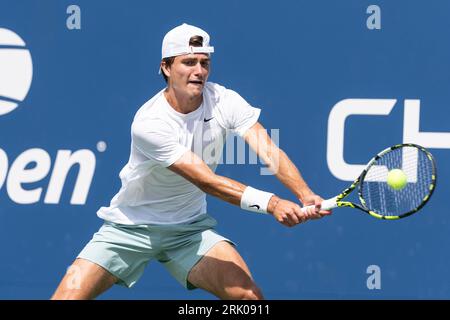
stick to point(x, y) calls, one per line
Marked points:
point(255, 200)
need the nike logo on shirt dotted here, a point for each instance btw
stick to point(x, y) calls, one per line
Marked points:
point(206, 120)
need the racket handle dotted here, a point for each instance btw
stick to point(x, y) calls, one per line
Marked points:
point(326, 205)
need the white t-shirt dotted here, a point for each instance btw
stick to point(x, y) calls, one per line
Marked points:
point(150, 192)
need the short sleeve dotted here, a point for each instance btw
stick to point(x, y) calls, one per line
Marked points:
point(157, 140)
point(238, 115)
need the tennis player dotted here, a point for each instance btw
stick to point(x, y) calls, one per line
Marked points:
point(160, 211)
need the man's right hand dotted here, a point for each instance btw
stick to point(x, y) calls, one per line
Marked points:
point(286, 212)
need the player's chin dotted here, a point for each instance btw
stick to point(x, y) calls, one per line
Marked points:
point(195, 93)
point(195, 87)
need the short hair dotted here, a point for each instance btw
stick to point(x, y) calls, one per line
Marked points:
point(195, 41)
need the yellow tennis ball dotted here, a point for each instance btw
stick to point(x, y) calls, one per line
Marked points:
point(396, 179)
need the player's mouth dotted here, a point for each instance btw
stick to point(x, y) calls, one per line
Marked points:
point(196, 82)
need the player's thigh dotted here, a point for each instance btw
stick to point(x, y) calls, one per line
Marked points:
point(223, 272)
point(84, 280)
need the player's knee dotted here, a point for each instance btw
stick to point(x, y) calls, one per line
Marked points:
point(252, 293)
point(67, 295)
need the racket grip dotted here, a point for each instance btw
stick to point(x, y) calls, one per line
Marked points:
point(326, 205)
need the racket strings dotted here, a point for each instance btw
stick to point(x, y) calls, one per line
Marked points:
point(379, 197)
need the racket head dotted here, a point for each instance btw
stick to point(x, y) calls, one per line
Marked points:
point(384, 202)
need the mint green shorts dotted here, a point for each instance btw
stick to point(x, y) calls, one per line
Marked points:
point(125, 250)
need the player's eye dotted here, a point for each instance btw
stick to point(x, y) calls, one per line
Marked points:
point(190, 63)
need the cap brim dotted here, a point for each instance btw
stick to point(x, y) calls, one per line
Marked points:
point(186, 50)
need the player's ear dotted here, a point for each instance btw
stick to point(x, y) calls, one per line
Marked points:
point(165, 68)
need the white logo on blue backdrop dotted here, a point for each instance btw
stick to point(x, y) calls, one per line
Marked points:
point(16, 71)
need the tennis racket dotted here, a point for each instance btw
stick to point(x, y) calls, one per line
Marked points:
point(377, 197)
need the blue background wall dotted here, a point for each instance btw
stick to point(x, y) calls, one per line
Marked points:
point(295, 60)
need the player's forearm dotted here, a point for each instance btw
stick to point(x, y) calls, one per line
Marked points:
point(224, 188)
point(285, 170)
point(193, 169)
point(232, 191)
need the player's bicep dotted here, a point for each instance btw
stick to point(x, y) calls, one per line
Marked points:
point(238, 114)
point(194, 169)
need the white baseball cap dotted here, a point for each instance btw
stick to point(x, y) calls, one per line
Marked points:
point(176, 41)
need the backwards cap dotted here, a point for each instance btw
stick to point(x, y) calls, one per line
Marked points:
point(176, 41)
